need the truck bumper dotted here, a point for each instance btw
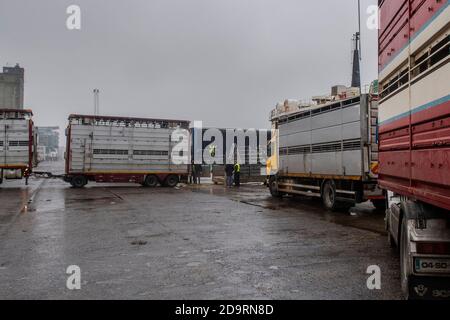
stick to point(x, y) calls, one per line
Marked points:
point(373, 192)
point(429, 288)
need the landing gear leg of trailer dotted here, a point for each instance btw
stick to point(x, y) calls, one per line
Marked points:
point(26, 175)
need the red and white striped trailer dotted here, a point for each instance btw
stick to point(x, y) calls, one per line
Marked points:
point(17, 143)
point(414, 140)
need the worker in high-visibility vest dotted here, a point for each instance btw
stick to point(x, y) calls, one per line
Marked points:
point(237, 175)
point(212, 151)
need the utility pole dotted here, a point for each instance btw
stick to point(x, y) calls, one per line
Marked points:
point(96, 102)
point(359, 28)
point(356, 72)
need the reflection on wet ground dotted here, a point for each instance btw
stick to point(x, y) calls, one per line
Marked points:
point(362, 216)
point(202, 242)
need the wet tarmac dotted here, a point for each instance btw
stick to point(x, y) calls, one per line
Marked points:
point(192, 242)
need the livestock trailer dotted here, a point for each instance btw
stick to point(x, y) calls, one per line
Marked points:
point(329, 151)
point(414, 138)
point(124, 149)
point(17, 143)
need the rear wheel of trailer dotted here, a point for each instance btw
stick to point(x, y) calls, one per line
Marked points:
point(78, 181)
point(151, 181)
point(171, 181)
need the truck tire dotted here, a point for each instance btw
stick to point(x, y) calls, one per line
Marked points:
point(405, 266)
point(391, 241)
point(329, 196)
point(171, 181)
point(151, 181)
point(390, 238)
point(79, 182)
point(273, 187)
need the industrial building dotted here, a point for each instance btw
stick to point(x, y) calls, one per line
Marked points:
point(48, 143)
point(12, 87)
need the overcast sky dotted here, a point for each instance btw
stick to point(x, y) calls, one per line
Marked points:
point(226, 62)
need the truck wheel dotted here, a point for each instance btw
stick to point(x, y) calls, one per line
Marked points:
point(387, 226)
point(171, 181)
point(79, 181)
point(151, 181)
point(329, 196)
point(379, 204)
point(273, 187)
point(405, 267)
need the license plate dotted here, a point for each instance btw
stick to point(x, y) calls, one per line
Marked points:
point(426, 265)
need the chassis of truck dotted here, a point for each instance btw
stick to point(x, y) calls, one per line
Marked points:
point(327, 151)
point(17, 143)
point(122, 149)
point(414, 140)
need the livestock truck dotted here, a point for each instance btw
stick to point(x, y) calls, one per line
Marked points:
point(18, 140)
point(414, 140)
point(150, 152)
point(327, 149)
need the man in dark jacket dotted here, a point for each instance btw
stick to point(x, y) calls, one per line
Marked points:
point(193, 177)
point(229, 168)
point(198, 172)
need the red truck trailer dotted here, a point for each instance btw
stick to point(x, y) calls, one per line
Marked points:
point(414, 140)
point(17, 143)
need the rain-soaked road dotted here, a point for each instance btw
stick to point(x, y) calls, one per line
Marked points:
point(187, 243)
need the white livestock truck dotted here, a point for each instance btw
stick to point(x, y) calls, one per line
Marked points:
point(327, 150)
point(123, 149)
point(17, 144)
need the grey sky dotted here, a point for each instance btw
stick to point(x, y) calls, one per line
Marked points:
point(226, 62)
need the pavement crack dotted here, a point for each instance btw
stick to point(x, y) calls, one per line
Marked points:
point(114, 194)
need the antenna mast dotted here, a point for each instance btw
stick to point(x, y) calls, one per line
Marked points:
point(356, 72)
point(96, 102)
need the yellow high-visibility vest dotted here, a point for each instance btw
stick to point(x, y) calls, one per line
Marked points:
point(212, 151)
point(237, 167)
